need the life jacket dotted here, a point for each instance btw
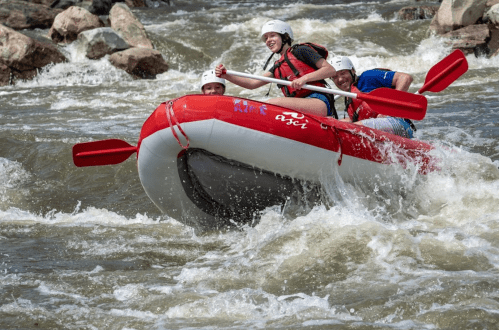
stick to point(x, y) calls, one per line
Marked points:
point(358, 109)
point(288, 67)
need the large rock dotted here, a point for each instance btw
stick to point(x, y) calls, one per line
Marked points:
point(413, 12)
point(454, 14)
point(24, 55)
point(140, 62)
point(101, 7)
point(493, 44)
point(99, 42)
point(64, 4)
point(135, 3)
point(492, 15)
point(71, 22)
point(490, 3)
point(20, 15)
point(157, 3)
point(4, 75)
point(41, 2)
point(130, 28)
point(471, 39)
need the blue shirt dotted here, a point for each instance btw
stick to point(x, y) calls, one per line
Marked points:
point(372, 79)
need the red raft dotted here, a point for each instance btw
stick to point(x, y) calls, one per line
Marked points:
point(213, 161)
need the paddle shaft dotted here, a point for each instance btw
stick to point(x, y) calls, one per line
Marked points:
point(363, 96)
point(288, 83)
point(117, 151)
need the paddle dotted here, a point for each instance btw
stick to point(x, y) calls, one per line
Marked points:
point(386, 101)
point(445, 72)
point(105, 152)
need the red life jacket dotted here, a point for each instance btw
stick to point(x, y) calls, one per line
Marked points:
point(358, 109)
point(288, 67)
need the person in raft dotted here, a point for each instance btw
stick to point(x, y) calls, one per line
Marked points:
point(211, 84)
point(301, 64)
point(359, 111)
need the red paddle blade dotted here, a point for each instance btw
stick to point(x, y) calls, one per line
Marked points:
point(445, 72)
point(105, 152)
point(395, 103)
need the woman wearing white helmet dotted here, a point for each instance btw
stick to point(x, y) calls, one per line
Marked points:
point(301, 64)
point(359, 111)
point(211, 84)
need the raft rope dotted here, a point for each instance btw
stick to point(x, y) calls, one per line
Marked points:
point(336, 133)
point(334, 129)
point(171, 114)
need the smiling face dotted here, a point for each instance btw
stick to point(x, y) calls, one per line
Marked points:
point(343, 80)
point(273, 41)
point(213, 89)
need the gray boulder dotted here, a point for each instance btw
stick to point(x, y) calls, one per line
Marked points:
point(492, 15)
point(99, 42)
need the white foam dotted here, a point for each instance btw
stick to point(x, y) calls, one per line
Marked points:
point(129, 292)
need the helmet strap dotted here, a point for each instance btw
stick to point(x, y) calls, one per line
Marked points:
point(268, 92)
point(355, 79)
point(268, 60)
point(285, 39)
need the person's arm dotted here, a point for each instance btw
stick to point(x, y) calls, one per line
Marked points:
point(324, 70)
point(241, 81)
point(401, 81)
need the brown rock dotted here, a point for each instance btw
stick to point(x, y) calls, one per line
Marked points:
point(470, 39)
point(493, 44)
point(490, 3)
point(135, 3)
point(65, 4)
point(68, 24)
point(24, 55)
point(24, 75)
point(20, 15)
point(454, 14)
point(42, 2)
point(4, 75)
point(421, 12)
point(143, 63)
point(125, 23)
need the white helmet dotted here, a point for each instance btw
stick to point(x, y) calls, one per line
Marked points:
point(276, 26)
point(210, 77)
point(341, 63)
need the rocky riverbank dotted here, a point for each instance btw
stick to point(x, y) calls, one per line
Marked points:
point(469, 25)
point(100, 28)
point(108, 27)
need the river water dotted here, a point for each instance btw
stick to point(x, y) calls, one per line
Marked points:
point(84, 248)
